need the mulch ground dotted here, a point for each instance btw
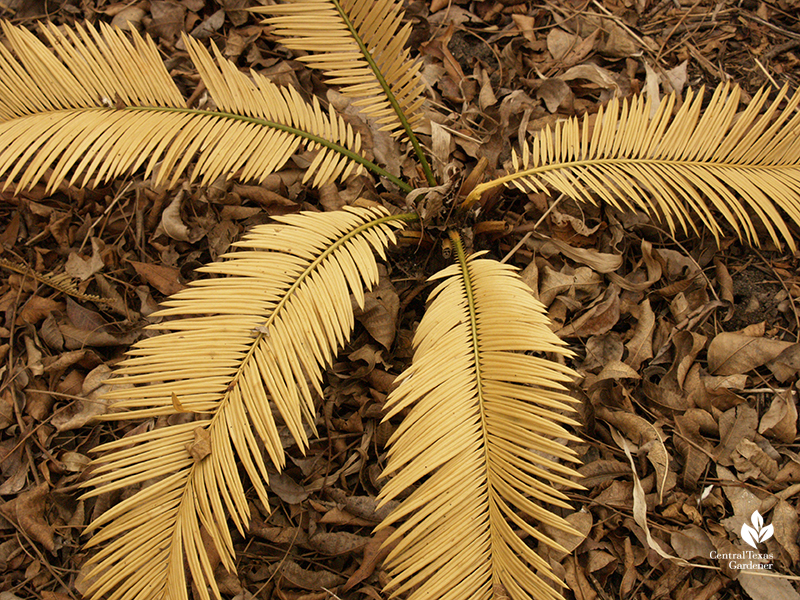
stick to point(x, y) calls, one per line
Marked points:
point(658, 321)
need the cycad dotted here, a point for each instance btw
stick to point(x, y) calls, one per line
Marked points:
point(482, 443)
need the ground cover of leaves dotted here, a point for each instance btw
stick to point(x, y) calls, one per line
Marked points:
point(688, 353)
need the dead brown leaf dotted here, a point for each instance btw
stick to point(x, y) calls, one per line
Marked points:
point(640, 346)
point(735, 424)
point(306, 579)
point(336, 543)
point(164, 279)
point(780, 420)
point(785, 524)
point(379, 315)
point(28, 511)
point(732, 353)
point(37, 308)
point(286, 488)
point(80, 412)
point(374, 553)
point(167, 19)
point(598, 319)
point(201, 446)
point(692, 542)
point(757, 463)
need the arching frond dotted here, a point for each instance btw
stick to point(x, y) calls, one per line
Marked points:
point(360, 44)
point(745, 163)
point(479, 439)
point(246, 343)
point(96, 105)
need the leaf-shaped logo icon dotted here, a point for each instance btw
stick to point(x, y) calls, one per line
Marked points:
point(758, 532)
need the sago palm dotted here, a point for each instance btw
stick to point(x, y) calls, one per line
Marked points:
point(482, 440)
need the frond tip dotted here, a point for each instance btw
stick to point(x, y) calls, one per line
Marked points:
point(360, 45)
point(747, 164)
point(479, 439)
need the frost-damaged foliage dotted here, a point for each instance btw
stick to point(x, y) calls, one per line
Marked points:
point(245, 342)
point(482, 444)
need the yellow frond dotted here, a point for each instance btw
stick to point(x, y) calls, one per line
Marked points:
point(96, 105)
point(479, 441)
point(747, 164)
point(246, 343)
point(360, 45)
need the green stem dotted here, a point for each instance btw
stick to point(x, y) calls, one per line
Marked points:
point(461, 257)
point(390, 96)
point(289, 129)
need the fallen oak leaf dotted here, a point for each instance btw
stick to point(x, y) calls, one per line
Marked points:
point(305, 579)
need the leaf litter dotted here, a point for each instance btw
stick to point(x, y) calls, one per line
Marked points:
point(688, 354)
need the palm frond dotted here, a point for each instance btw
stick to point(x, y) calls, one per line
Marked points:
point(360, 45)
point(256, 339)
point(479, 437)
point(98, 105)
point(746, 163)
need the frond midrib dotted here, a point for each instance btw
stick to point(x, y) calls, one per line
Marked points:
point(288, 129)
point(476, 354)
point(333, 146)
point(367, 55)
point(600, 162)
point(405, 217)
point(187, 497)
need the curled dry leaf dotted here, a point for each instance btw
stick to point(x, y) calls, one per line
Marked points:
point(787, 364)
point(598, 319)
point(736, 424)
point(28, 511)
point(578, 284)
point(786, 527)
point(693, 445)
point(640, 346)
point(760, 464)
point(616, 370)
point(336, 543)
point(780, 420)
point(647, 436)
point(601, 262)
point(379, 314)
point(639, 502)
point(307, 579)
point(92, 404)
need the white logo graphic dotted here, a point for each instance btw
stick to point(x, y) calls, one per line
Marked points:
point(758, 532)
